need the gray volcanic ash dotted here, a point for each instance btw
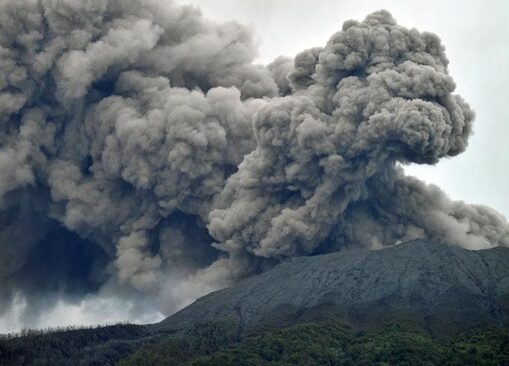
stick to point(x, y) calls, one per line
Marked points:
point(143, 153)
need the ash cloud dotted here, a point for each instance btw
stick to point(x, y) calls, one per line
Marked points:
point(143, 153)
point(325, 166)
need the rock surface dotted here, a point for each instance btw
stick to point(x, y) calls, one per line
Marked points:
point(440, 287)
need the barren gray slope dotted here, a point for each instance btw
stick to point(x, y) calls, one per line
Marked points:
point(440, 286)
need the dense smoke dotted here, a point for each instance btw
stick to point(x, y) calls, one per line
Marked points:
point(144, 155)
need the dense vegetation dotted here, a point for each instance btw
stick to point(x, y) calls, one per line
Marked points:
point(107, 345)
point(310, 343)
point(71, 346)
point(331, 343)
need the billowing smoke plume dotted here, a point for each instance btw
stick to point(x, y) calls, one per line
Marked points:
point(324, 172)
point(142, 151)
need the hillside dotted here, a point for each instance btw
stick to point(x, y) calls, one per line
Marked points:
point(414, 301)
point(439, 287)
point(332, 343)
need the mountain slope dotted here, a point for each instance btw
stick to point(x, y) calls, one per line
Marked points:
point(437, 286)
point(331, 343)
point(443, 300)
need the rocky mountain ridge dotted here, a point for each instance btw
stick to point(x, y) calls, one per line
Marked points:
point(440, 287)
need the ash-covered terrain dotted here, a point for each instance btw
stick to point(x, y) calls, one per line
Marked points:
point(441, 288)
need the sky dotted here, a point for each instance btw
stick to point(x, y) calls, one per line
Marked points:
point(476, 37)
